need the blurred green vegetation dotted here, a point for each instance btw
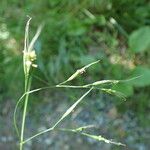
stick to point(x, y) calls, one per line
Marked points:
point(75, 34)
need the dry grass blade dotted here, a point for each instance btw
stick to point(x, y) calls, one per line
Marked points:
point(116, 93)
point(79, 129)
point(100, 138)
point(95, 137)
point(72, 107)
point(26, 39)
point(79, 71)
point(35, 38)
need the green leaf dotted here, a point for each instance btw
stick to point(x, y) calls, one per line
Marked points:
point(139, 40)
point(144, 79)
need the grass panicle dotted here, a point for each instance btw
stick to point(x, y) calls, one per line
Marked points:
point(29, 57)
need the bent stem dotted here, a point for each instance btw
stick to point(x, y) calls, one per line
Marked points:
point(67, 112)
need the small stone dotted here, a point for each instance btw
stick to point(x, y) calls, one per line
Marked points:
point(112, 113)
point(48, 141)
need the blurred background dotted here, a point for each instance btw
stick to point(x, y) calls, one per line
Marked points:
point(77, 33)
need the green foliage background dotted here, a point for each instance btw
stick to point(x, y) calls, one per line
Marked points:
point(76, 33)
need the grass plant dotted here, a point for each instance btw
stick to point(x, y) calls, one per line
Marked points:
point(29, 57)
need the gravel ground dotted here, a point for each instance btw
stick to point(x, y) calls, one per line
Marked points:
point(100, 112)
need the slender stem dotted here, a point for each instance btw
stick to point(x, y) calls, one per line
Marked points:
point(38, 134)
point(27, 89)
point(68, 111)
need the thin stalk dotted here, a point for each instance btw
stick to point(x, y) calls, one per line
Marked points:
point(27, 89)
point(68, 111)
